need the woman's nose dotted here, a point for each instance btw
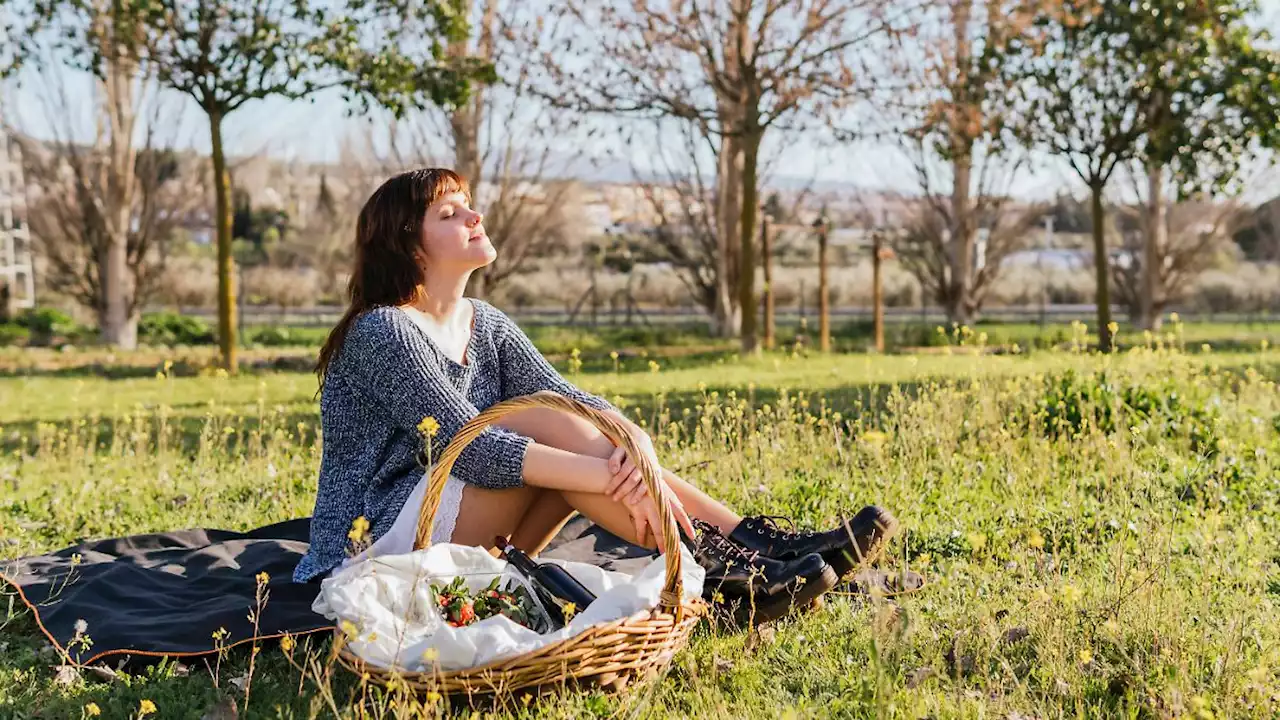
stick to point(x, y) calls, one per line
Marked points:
point(476, 219)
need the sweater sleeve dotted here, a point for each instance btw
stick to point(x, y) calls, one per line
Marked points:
point(395, 367)
point(526, 371)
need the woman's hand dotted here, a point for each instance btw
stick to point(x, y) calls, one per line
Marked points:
point(644, 515)
point(627, 485)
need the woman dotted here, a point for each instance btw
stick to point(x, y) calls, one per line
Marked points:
point(410, 347)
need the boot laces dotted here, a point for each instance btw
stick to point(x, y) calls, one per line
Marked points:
point(721, 547)
point(774, 523)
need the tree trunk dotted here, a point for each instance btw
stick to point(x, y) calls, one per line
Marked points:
point(960, 247)
point(1102, 273)
point(226, 270)
point(1150, 308)
point(824, 292)
point(466, 120)
point(747, 264)
point(728, 182)
point(766, 258)
point(117, 289)
point(877, 290)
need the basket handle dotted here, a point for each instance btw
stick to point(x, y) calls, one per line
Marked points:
point(617, 433)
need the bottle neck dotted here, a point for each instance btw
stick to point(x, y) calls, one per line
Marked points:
point(516, 556)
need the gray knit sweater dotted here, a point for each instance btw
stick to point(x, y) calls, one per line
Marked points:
point(390, 375)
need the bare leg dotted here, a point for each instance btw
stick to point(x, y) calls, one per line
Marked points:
point(532, 516)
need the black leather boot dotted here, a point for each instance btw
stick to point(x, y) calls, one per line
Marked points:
point(857, 541)
point(753, 588)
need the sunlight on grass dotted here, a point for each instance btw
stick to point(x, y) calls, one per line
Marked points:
point(1099, 530)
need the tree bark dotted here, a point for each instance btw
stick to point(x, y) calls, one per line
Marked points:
point(1102, 273)
point(466, 119)
point(747, 265)
point(766, 258)
point(117, 85)
point(824, 292)
point(877, 290)
point(226, 269)
point(1150, 308)
point(960, 246)
point(728, 182)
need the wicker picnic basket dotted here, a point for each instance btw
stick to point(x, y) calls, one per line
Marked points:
point(609, 656)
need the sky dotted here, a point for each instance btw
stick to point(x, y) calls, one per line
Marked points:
point(316, 129)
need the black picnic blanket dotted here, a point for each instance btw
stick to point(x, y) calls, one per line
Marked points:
point(142, 597)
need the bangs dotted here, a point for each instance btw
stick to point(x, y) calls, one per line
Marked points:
point(435, 183)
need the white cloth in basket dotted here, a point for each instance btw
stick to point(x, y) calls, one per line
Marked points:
point(385, 600)
point(399, 537)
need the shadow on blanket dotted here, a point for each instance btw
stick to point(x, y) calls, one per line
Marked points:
point(145, 597)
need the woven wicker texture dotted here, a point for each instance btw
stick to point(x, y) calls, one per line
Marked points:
point(611, 656)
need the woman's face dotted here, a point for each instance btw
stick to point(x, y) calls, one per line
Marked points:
point(453, 234)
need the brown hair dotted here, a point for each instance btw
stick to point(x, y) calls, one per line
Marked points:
point(389, 266)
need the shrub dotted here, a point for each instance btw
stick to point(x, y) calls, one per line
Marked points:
point(46, 321)
point(13, 334)
point(273, 337)
point(166, 328)
point(1070, 404)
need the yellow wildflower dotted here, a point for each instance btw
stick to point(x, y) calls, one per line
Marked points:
point(1036, 540)
point(359, 529)
point(146, 707)
point(977, 541)
point(287, 643)
point(92, 710)
point(349, 629)
point(429, 426)
point(613, 355)
point(430, 654)
point(262, 578)
point(433, 697)
point(1085, 657)
point(570, 609)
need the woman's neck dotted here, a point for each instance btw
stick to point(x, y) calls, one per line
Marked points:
point(440, 296)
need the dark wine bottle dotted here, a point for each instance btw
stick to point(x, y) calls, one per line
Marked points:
point(554, 586)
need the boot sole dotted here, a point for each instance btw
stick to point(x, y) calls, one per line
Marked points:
point(887, 526)
point(813, 589)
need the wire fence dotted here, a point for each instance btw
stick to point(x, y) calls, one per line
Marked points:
point(325, 316)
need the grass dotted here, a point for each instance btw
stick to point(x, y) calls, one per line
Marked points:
point(1101, 531)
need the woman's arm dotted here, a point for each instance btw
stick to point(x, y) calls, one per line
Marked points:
point(550, 467)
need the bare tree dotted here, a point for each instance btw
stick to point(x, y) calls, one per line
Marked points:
point(682, 198)
point(738, 68)
point(925, 248)
point(947, 108)
point(101, 37)
point(71, 210)
point(1196, 231)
